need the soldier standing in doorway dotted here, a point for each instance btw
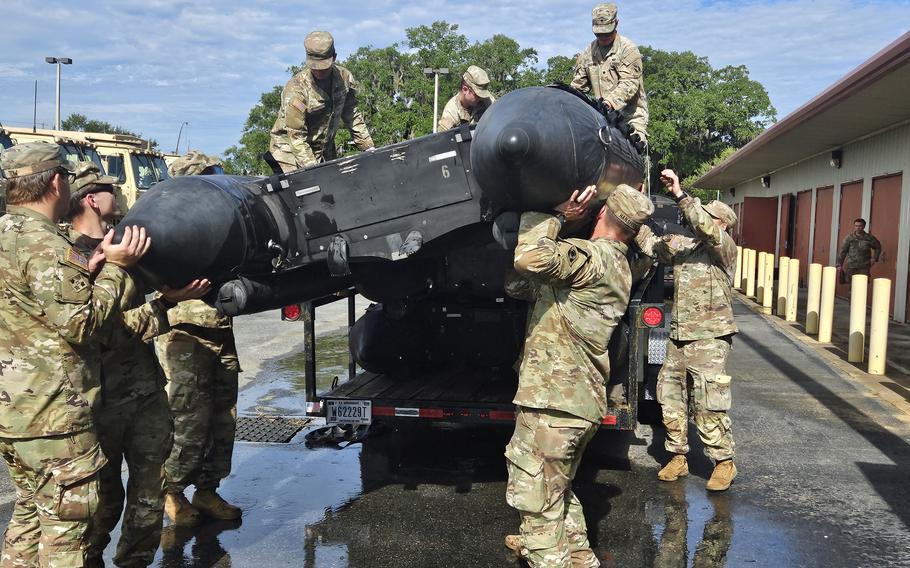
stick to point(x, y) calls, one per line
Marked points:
point(580, 289)
point(859, 251)
point(313, 105)
point(701, 334)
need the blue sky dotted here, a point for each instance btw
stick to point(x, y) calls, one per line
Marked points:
point(149, 65)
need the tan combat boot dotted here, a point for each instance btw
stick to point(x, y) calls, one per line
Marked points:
point(513, 543)
point(179, 510)
point(724, 473)
point(675, 468)
point(211, 504)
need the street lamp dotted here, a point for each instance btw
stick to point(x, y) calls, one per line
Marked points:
point(58, 61)
point(177, 147)
point(435, 73)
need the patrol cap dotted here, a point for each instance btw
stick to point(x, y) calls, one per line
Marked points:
point(722, 211)
point(33, 158)
point(192, 164)
point(320, 50)
point(631, 207)
point(87, 175)
point(603, 18)
point(478, 80)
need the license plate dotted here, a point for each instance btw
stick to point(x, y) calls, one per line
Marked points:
point(348, 412)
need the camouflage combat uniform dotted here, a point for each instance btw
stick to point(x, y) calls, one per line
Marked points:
point(856, 253)
point(311, 112)
point(51, 310)
point(701, 331)
point(453, 114)
point(200, 360)
point(133, 422)
point(580, 290)
point(614, 74)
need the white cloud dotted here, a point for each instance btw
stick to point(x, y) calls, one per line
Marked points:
point(151, 64)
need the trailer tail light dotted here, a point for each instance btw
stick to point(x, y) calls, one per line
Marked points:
point(652, 317)
point(291, 313)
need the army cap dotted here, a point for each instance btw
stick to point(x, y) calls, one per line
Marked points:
point(478, 80)
point(722, 211)
point(87, 175)
point(192, 164)
point(320, 50)
point(631, 207)
point(33, 158)
point(603, 18)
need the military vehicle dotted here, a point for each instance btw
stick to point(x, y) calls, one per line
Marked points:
point(426, 229)
point(127, 157)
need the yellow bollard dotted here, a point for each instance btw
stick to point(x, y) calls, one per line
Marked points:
point(738, 275)
point(768, 288)
point(750, 278)
point(813, 298)
point(826, 309)
point(792, 289)
point(760, 279)
point(782, 268)
point(856, 344)
point(878, 328)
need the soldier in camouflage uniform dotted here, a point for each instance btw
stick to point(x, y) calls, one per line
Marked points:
point(54, 301)
point(313, 104)
point(580, 289)
point(610, 69)
point(470, 102)
point(701, 334)
point(200, 361)
point(133, 420)
point(858, 251)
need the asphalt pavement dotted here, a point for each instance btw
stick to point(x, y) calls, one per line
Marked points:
point(822, 480)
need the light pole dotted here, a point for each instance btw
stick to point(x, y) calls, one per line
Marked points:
point(177, 147)
point(58, 61)
point(435, 73)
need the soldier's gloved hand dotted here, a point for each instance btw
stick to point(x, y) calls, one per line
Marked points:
point(192, 291)
point(134, 245)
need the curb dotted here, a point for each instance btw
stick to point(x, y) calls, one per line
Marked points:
point(872, 384)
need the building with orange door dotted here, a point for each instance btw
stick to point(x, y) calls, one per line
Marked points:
point(845, 154)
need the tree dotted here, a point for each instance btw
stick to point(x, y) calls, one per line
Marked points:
point(81, 123)
point(696, 111)
point(560, 69)
point(246, 157)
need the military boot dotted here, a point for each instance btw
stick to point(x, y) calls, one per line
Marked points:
point(676, 468)
point(513, 543)
point(211, 504)
point(724, 473)
point(179, 510)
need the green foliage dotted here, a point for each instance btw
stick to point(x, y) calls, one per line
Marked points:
point(81, 123)
point(697, 111)
point(246, 157)
point(559, 70)
point(688, 183)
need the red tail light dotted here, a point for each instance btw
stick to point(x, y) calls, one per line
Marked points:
point(652, 317)
point(291, 313)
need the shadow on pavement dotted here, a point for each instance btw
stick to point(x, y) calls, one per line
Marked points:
point(888, 481)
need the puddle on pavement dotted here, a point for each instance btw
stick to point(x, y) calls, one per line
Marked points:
point(280, 388)
point(434, 496)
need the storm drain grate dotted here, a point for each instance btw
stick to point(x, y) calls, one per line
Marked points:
point(274, 429)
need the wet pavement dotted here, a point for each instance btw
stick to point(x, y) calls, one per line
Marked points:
point(823, 481)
